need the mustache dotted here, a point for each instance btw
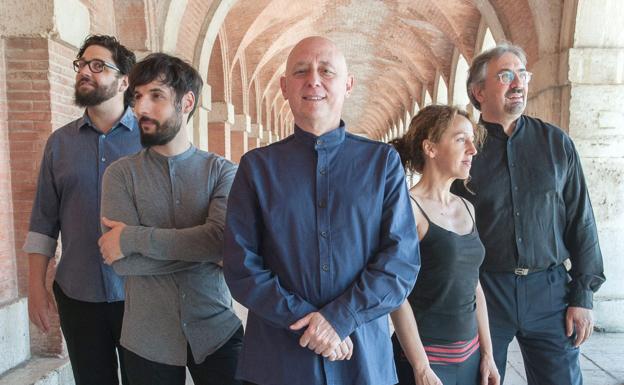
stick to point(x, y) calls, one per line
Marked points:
point(145, 119)
point(514, 91)
point(86, 79)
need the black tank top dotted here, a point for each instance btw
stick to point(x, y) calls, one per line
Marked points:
point(443, 299)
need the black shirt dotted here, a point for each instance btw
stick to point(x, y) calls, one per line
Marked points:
point(532, 205)
point(443, 300)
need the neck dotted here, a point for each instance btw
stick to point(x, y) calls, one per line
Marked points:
point(435, 186)
point(176, 146)
point(508, 122)
point(106, 114)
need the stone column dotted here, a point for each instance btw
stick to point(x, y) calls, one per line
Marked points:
point(596, 124)
point(239, 135)
point(220, 121)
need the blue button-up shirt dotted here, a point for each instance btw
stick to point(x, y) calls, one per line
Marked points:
point(319, 224)
point(68, 200)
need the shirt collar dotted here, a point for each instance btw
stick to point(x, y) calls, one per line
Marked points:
point(127, 121)
point(496, 130)
point(329, 139)
point(185, 155)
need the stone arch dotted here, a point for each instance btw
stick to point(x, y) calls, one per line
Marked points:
point(459, 76)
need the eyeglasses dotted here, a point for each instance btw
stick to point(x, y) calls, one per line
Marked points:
point(95, 65)
point(508, 76)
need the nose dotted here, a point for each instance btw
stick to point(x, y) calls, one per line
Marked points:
point(313, 79)
point(516, 82)
point(471, 149)
point(140, 107)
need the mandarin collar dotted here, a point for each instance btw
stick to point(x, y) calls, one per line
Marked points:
point(167, 159)
point(329, 139)
point(496, 130)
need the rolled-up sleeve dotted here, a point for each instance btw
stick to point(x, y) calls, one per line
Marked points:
point(44, 218)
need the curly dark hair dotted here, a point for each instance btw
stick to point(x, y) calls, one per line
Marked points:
point(430, 123)
point(124, 58)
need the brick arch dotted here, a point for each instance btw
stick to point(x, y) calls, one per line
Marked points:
point(218, 76)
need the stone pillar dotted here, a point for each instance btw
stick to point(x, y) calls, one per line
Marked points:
point(239, 135)
point(199, 127)
point(596, 122)
point(220, 121)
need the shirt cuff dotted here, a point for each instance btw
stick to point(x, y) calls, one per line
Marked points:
point(37, 243)
point(581, 298)
point(128, 240)
point(342, 319)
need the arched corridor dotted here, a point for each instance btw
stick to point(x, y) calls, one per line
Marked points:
point(404, 55)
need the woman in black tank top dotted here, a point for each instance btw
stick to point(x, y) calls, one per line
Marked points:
point(443, 326)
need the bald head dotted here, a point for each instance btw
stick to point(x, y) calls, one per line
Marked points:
point(317, 44)
point(316, 83)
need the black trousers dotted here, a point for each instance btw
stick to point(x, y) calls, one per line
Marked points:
point(92, 333)
point(532, 308)
point(218, 368)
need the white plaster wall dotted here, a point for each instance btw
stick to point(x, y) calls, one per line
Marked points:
point(14, 335)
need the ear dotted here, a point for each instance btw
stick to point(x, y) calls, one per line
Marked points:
point(188, 101)
point(477, 92)
point(429, 148)
point(123, 83)
point(283, 87)
point(350, 84)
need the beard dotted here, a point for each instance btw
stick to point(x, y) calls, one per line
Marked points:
point(516, 108)
point(163, 133)
point(97, 95)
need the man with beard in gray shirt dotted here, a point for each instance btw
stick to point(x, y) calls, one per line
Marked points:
point(163, 213)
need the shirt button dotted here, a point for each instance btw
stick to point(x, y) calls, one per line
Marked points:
point(520, 239)
point(323, 171)
point(513, 164)
point(184, 324)
point(324, 234)
point(103, 136)
point(517, 213)
point(319, 142)
point(515, 188)
point(325, 267)
point(103, 159)
point(183, 295)
point(177, 201)
point(322, 204)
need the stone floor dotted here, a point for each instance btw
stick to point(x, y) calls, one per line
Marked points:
point(602, 361)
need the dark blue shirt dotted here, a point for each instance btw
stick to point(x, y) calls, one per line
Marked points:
point(68, 200)
point(319, 224)
point(532, 205)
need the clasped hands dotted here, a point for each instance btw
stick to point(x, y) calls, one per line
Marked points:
point(320, 337)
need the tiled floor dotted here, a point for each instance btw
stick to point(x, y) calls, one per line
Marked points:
point(602, 361)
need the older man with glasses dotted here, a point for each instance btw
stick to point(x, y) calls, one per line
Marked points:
point(88, 293)
point(533, 214)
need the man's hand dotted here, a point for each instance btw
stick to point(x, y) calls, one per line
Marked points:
point(110, 244)
point(580, 320)
point(319, 336)
point(344, 351)
point(41, 305)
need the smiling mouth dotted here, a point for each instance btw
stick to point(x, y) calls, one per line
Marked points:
point(313, 98)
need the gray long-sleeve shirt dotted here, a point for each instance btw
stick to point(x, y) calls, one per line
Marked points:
point(174, 209)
